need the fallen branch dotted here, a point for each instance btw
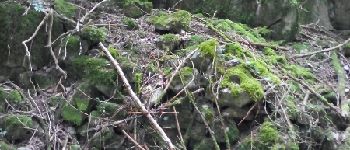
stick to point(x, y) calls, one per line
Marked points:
point(31, 38)
point(325, 50)
point(132, 140)
point(321, 98)
point(136, 100)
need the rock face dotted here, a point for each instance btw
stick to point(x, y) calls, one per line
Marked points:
point(340, 14)
point(281, 16)
point(15, 28)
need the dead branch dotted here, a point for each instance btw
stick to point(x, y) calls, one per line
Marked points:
point(49, 44)
point(132, 140)
point(31, 38)
point(324, 50)
point(137, 101)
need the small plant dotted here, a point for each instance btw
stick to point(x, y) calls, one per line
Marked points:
point(94, 34)
point(208, 48)
point(130, 23)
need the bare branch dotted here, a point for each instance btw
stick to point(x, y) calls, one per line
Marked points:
point(137, 101)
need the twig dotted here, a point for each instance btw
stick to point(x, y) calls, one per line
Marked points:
point(49, 44)
point(321, 98)
point(324, 50)
point(132, 140)
point(137, 101)
point(179, 129)
point(31, 38)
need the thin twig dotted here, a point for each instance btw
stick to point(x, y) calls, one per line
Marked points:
point(324, 50)
point(132, 140)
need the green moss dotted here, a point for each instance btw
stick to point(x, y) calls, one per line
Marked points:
point(169, 38)
point(292, 108)
point(136, 8)
point(233, 133)
point(71, 114)
point(113, 51)
point(73, 43)
point(107, 108)
point(208, 48)
point(130, 23)
point(94, 69)
point(247, 83)
point(12, 96)
point(94, 34)
point(235, 49)
point(17, 121)
point(195, 40)
point(300, 72)
point(176, 21)
point(269, 51)
point(260, 68)
point(65, 8)
point(268, 134)
point(227, 25)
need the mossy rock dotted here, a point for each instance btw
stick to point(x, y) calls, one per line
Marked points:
point(130, 23)
point(169, 42)
point(16, 127)
point(238, 79)
point(81, 103)
point(95, 70)
point(226, 25)
point(136, 8)
point(94, 34)
point(65, 8)
point(16, 27)
point(171, 22)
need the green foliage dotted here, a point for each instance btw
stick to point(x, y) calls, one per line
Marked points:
point(292, 108)
point(94, 34)
point(107, 108)
point(227, 25)
point(136, 8)
point(130, 23)
point(268, 134)
point(247, 83)
point(176, 21)
point(71, 114)
point(169, 38)
point(195, 40)
point(236, 49)
point(73, 43)
point(300, 72)
point(273, 58)
point(94, 69)
point(261, 69)
point(65, 8)
point(17, 121)
point(12, 96)
point(208, 48)
point(138, 81)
